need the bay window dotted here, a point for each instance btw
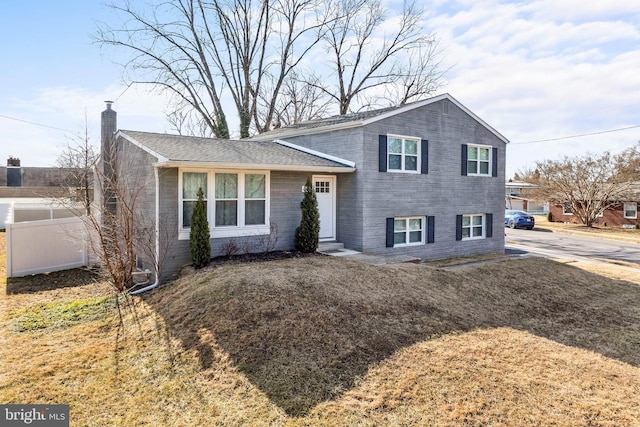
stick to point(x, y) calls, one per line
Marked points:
point(239, 201)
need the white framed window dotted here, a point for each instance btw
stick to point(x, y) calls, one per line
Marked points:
point(191, 182)
point(473, 226)
point(479, 160)
point(403, 154)
point(408, 231)
point(630, 210)
point(239, 201)
point(567, 209)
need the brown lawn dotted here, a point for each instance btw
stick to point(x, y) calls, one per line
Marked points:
point(323, 341)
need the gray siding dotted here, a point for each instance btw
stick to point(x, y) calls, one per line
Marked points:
point(367, 197)
point(285, 198)
point(347, 144)
point(135, 176)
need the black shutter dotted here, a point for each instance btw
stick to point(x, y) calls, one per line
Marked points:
point(464, 159)
point(389, 232)
point(489, 229)
point(458, 227)
point(494, 161)
point(382, 153)
point(431, 229)
point(424, 167)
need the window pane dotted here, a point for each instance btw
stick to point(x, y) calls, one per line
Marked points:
point(477, 231)
point(472, 153)
point(472, 166)
point(411, 147)
point(411, 163)
point(399, 225)
point(187, 211)
point(466, 221)
point(465, 233)
point(254, 186)
point(254, 212)
point(477, 220)
point(484, 168)
point(226, 213)
point(484, 153)
point(395, 145)
point(415, 237)
point(395, 161)
point(226, 186)
point(191, 181)
point(415, 224)
point(399, 238)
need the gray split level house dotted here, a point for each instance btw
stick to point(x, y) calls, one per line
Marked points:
point(424, 180)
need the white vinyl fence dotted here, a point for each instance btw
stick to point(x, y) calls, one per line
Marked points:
point(35, 247)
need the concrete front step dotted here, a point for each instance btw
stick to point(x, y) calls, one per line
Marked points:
point(330, 247)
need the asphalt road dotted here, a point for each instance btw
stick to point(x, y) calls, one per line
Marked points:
point(560, 245)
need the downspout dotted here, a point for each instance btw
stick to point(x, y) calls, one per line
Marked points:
point(157, 242)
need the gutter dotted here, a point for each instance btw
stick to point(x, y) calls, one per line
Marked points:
point(157, 242)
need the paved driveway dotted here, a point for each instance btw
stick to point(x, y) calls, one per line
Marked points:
point(561, 245)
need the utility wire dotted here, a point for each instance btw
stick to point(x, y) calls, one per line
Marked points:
point(577, 136)
point(34, 123)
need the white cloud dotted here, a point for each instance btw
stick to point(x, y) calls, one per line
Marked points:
point(540, 70)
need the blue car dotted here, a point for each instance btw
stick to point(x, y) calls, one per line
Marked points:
point(519, 219)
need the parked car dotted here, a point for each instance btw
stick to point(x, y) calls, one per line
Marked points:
point(519, 219)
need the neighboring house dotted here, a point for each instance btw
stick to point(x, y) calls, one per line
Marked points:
point(29, 193)
point(518, 197)
point(623, 213)
point(424, 180)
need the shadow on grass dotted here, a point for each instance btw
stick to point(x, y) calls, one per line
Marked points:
point(50, 281)
point(303, 331)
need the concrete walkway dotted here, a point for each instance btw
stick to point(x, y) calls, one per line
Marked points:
point(337, 249)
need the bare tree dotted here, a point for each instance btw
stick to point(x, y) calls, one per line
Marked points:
point(196, 49)
point(587, 184)
point(254, 50)
point(369, 61)
point(78, 159)
point(299, 102)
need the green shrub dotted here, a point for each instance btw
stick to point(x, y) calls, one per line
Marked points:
point(199, 238)
point(306, 237)
point(549, 217)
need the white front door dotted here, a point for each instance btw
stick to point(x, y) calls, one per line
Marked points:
point(325, 187)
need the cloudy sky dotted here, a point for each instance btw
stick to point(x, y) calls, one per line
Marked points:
point(564, 72)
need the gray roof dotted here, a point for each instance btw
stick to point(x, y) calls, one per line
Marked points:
point(178, 150)
point(363, 118)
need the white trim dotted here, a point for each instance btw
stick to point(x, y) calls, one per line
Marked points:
point(470, 227)
point(624, 210)
point(489, 161)
point(253, 166)
point(333, 189)
point(407, 232)
point(418, 104)
point(140, 145)
point(226, 231)
point(403, 155)
point(316, 153)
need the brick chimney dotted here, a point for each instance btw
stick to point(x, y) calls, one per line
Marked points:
point(14, 172)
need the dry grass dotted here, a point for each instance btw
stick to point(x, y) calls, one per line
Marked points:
point(326, 341)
